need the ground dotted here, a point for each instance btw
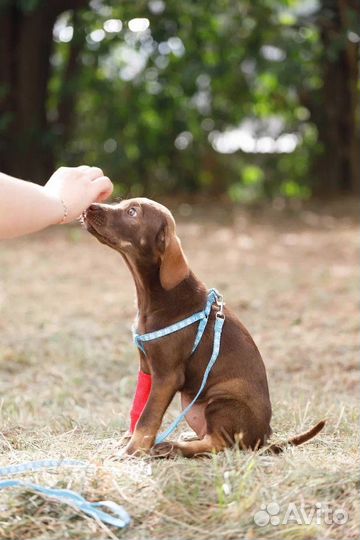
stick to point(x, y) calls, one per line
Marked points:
point(68, 372)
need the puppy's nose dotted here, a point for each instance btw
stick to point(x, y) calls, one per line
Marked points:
point(95, 214)
point(93, 208)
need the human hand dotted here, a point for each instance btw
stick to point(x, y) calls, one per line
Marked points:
point(78, 187)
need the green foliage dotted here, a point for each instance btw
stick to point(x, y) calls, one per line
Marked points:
point(150, 104)
point(29, 5)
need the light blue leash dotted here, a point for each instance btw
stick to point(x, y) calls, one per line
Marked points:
point(120, 517)
point(203, 317)
point(219, 322)
point(33, 466)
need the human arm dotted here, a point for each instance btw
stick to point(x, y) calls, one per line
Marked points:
point(26, 207)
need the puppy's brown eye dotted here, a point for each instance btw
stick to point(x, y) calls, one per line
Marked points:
point(132, 212)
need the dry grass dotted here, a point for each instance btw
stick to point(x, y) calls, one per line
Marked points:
point(68, 371)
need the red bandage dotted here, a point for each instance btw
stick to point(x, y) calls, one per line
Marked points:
point(141, 396)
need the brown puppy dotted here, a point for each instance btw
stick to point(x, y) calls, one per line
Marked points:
point(235, 405)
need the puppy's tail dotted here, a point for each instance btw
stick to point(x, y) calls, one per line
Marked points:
point(299, 439)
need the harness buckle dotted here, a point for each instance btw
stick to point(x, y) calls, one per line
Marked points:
point(220, 304)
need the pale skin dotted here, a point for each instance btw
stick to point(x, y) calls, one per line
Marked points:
point(26, 207)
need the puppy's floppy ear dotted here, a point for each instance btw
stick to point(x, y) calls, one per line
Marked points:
point(174, 267)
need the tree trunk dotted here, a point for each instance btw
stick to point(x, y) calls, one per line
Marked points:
point(67, 93)
point(26, 144)
point(337, 117)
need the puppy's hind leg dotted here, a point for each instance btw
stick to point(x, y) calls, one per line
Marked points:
point(235, 422)
point(228, 422)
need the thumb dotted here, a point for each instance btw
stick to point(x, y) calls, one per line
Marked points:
point(103, 188)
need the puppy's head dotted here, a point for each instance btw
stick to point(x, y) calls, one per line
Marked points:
point(144, 232)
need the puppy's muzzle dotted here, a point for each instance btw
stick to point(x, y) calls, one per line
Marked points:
point(95, 216)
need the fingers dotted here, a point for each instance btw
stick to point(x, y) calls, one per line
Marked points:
point(91, 173)
point(103, 188)
point(95, 173)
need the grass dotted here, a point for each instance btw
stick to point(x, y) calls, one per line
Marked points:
point(68, 372)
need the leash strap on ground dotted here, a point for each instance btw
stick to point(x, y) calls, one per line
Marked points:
point(202, 317)
point(33, 466)
point(119, 517)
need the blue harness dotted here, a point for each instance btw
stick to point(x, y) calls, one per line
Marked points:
point(202, 317)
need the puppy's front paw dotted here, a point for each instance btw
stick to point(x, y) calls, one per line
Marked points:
point(166, 450)
point(132, 449)
point(126, 436)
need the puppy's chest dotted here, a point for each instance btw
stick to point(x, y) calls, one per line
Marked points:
point(153, 322)
point(144, 324)
point(175, 346)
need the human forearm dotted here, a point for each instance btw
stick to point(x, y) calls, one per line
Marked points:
point(26, 207)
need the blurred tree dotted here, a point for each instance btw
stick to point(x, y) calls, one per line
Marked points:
point(26, 44)
point(334, 102)
point(149, 90)
point(337, 110)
